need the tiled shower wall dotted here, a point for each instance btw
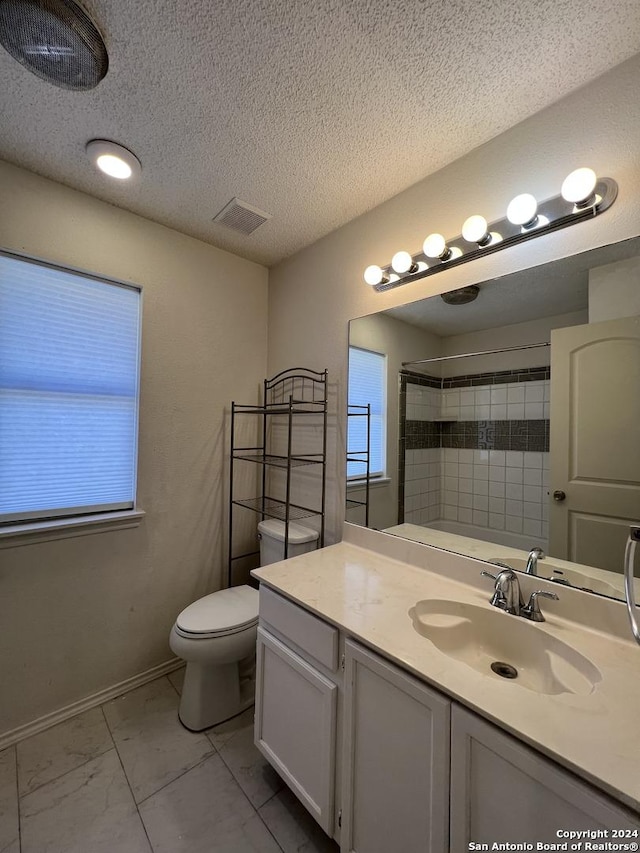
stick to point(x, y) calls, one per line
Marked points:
point(475, 450)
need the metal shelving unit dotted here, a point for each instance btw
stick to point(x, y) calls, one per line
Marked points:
point(297, 392)
point(363, 457)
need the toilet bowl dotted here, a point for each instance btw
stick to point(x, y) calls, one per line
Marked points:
point(216, 636)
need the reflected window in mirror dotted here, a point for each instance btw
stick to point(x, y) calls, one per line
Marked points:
point(367, 387)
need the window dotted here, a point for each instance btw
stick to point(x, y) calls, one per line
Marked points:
point(367, 385)
point(69, 370)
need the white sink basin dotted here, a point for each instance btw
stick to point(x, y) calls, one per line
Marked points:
point(547, 569)
point(482, 636)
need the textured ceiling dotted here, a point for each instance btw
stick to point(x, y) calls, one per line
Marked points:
point(312, 110)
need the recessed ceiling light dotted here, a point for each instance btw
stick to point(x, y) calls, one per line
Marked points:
point(113, 159)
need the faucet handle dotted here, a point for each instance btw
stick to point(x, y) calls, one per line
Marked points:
point(531, 610)
point(489, 575)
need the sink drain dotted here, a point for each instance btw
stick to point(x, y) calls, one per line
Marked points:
point(504, 670)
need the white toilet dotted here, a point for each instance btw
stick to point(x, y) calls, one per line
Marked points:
point(216, 636)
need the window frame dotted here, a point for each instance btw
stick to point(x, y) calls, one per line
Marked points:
point(378, 476)
point(72, 521)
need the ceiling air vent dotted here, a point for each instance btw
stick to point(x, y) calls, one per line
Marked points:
point(241, 216)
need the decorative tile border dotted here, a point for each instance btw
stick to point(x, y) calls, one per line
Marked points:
point(478, 435)
point(530, 436)
point(419, 435)
point(469, 380)
point(529, 374)
point(419, 379)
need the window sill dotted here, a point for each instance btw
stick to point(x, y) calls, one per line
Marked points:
point(29, 533)
point(373, 483)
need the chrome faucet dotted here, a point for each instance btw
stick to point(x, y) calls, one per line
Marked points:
point(506, 593)
point(508, 597)
point(535, 554)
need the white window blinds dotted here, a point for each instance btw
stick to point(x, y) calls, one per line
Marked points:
point(69, 364)
point(367, 384)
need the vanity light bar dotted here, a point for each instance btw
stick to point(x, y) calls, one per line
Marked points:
point(583, 196)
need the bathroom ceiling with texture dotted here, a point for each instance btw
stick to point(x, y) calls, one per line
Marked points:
point(314, 111)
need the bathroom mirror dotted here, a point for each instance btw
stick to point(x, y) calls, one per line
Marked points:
point(534, 442)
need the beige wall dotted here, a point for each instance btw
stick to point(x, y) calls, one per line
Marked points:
point(517, 334)
point(314, 294)
point(82, 614)
point(614, 291)
point(400, 342)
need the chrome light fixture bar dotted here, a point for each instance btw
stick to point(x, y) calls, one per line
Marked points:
point(583, 196)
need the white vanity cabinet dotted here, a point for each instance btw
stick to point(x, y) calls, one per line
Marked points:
point(386, 763)
point(503, 791)
point(396, 759)
point(296, 701)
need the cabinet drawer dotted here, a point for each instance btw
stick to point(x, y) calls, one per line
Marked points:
point(309, 633)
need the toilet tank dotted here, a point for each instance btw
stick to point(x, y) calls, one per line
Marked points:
point(271, 536)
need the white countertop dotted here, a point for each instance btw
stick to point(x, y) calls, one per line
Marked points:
point(368, 596)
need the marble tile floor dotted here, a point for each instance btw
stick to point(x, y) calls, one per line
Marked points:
point(128, 778)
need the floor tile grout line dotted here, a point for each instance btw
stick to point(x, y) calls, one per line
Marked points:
point(179, 776)
point(247, 798)
point(171, 682)
point(182, 773)
point(126, 778)
point(56, 778)
point(239, 786)
point(106, 722)
point(239, 783)
point(267, 827)
point(275, 794)
point(62, 775)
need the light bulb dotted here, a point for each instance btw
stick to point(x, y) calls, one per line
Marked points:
point(113, 166)
point(579, 186)
point(373, 275)
point(113, 159)
point(474, 230)
point(435, 246)
point(522, 210)
point(402, 262)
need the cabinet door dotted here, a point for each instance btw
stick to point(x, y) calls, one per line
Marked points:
point(396, 775)
point(295, 725)
point(502, 791)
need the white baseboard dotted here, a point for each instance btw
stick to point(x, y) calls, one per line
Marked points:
point(92, 701)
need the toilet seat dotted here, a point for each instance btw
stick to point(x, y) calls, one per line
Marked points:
point(228, 611)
